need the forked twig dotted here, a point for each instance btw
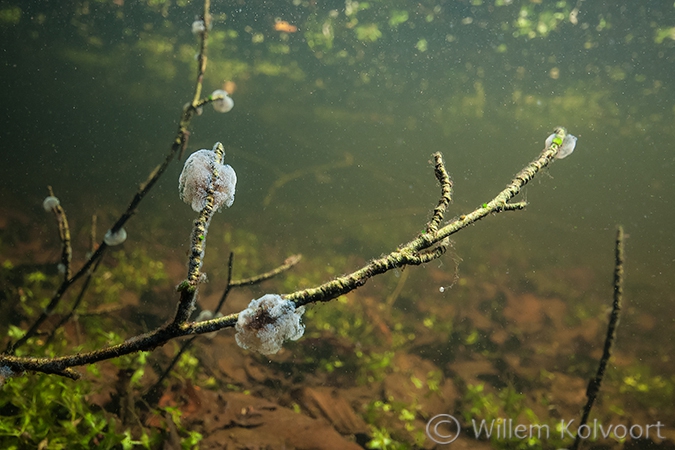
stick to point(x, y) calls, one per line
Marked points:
point(424, 248)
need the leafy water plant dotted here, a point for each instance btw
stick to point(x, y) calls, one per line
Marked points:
point(642, 387)
point(54, 416)
point(52, 412)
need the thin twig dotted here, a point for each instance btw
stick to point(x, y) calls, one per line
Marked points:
point(153, 393)
point(228, 286)
point(446, 193)
point(92, 234)
point(594, 383)
point(288, 263)
point(76, 304)
point(201, 58)
point(64, 235)
point(85, 286)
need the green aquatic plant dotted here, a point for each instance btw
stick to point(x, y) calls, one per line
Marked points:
point(491, 409)
point(479, 405)
point(368, 33)
point(31, 288)
point(188, 368)
point(54, 416)
point(374, 365)
point(535, 22)
point(133, 271)
point(397, 17)
point(381, 437)
point(43, 411)
point(642, 387)
point(190, 439)
point(381, 440)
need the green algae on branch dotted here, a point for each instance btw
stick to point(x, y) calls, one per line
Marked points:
point(431, 245)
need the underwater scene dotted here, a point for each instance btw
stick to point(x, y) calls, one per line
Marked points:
point(339, 224)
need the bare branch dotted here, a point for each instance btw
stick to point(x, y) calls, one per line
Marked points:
point(446, 193)
point(426, 247)
point(594, 383)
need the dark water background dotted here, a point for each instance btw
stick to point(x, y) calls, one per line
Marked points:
point(91, 93)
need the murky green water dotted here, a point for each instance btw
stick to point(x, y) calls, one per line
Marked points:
point(334, 125)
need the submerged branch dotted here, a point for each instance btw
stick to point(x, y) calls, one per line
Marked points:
point(178, 146)
point(594, 383)
point(446, 193)
point(412, 252)
point(64, 236)
point(427, 246)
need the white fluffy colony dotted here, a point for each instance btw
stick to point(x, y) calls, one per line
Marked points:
point(194, 181)
point(198, 27)
point(267, 323)
point(567, 146)
point(50, 203)
point(222, 105)
point(111, 238)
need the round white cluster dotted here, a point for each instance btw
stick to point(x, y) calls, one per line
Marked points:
point(50, 203)
point(567, 147)
point(267, 323)
point(111, 238)
point(222, 105)
point(198, 27)
point(199, 171)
